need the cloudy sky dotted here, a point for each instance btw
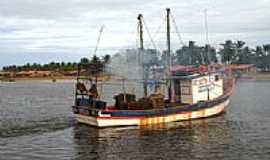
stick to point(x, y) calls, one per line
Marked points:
point(65, 30)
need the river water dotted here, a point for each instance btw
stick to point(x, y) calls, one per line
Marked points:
point(36, 123)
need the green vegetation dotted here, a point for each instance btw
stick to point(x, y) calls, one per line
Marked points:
point(229, 53)
point(193, 54)
point(58, 66)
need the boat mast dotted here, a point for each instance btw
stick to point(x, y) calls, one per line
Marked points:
point(141, 53)
point(169, 63)
point(140, 31)
point(168, 39)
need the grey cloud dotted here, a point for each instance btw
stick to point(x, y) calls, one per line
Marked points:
point(71, 26)
point(53, 9)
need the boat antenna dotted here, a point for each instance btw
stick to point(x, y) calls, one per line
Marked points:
point(168, 52)
point(98, 40)
point(206, 26)
point(141, 53)
point(207, 47)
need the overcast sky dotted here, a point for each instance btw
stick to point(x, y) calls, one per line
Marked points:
point(56, 30)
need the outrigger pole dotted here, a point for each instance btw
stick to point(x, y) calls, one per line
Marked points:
point(169, 62)
point(98, 40)
point(141, 53)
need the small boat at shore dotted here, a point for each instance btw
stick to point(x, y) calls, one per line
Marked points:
point(192, 92)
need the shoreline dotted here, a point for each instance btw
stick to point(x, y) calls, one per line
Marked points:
point(259, 76)
point(252, 76)
point(36, 78)
point(56, 78)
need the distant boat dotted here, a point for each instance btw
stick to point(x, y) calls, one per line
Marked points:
point(192, 93)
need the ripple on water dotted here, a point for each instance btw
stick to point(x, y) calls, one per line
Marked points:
point(36, 123)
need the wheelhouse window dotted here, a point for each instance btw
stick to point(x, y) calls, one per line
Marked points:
point(216, 77)
point(185, 90)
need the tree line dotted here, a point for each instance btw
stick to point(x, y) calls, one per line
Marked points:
point(230, 52)
point(58, 66)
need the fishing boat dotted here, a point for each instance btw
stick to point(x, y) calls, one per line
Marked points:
point(192, 92)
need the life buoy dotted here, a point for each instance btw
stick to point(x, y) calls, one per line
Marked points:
point(202, 69)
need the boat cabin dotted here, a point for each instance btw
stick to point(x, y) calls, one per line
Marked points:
point(194, 88)
point(190, 86)
point(187, 85)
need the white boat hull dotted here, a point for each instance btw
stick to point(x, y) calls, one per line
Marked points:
point(137, 121)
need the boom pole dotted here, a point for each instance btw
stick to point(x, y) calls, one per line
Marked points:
point(98, 40)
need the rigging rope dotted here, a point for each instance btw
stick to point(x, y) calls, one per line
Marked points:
point(148, 32)
point(159, 27)
point(137, 35)
point(177, 31)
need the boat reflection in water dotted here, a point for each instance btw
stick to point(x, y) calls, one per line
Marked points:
point(188, 139)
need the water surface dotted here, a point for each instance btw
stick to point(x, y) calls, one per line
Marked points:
point(36, 123)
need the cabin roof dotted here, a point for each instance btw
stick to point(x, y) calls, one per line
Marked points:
point(185, 77)
point(191, 72)
point(241, 66)
point(184, 68)
point(187, 70)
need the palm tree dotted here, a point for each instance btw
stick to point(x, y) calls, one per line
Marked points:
point(266, 48)
point(228, 53)
point(106, 58)
point(84, 61)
